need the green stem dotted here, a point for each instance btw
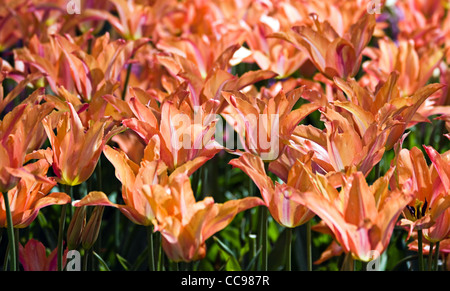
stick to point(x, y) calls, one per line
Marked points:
point(5, 262)
point(16, 240)
point(430, 257)
point(161, 253)
point(288, 249)
point(127, 79)
point(348, 263)
point(264, 234)
point(264, 238)
point(436, 257)
point(62, 222)
point(10, 229)
point(86, 259)
point(420, 247)
point(308, 245)
point(151, 253)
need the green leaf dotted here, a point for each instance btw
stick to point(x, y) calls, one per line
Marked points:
point(123, 262)
point(102, 262)
point(232, 264)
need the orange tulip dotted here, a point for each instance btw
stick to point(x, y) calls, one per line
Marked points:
point(271, 53)
point(65, 63)
point(185, 224)
point(386, 105)
point(136, 181)
point(344, 144)
point(265, 124)
point(429, 185)
point(361, 217)
point(276, 196)
point(76, 151)
point(333, 54)
point(16, 141)
point(441, 162)
point(415, 67)
point(29, 196)
point(33, 257)
point(180, 136)
point(132, 21)
point(205, 75)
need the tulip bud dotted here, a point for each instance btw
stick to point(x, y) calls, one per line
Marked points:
point(76, 227)
point(90, 232)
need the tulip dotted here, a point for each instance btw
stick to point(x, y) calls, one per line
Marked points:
point(182, 137)
point(91, 231)
point(361, 217)
point(76, 226)
point(415, 67)
point(343, 145)
point(29, 196)
point(16, 141)
point(331, 53)
point(265, 125)
point(76, 151)
point(428, 185)
point(33, 257)
point(284, 210)
point(136, 191)
point(185, 224)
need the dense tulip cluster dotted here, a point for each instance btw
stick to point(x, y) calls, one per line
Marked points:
point(222, 134)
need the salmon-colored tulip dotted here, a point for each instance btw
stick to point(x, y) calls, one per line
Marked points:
point(265, 125)
point(360, 216)
point(29, 196)
point(415, 67)
point(16, 141)
point(33, 257)
point(132, 22)
point(429, 211)
point(441, 162)
point(211, 75)
point(333, 54)
point(66, 63)
point(136, 180)
point(270, 53)
point(75, 150)
point(343, 145)
point(180, 136)
point(276, 196)
point(185, 224)
point(386, 105)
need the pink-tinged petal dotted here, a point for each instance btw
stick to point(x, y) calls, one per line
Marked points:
point(328, 212)
point(253, 166)
point(441, 166)
point(341, 59)
point(360, 201)
point(316, 45)
point(143, 112)
point(33, 256)
point(286, 211)
point(55, 198)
